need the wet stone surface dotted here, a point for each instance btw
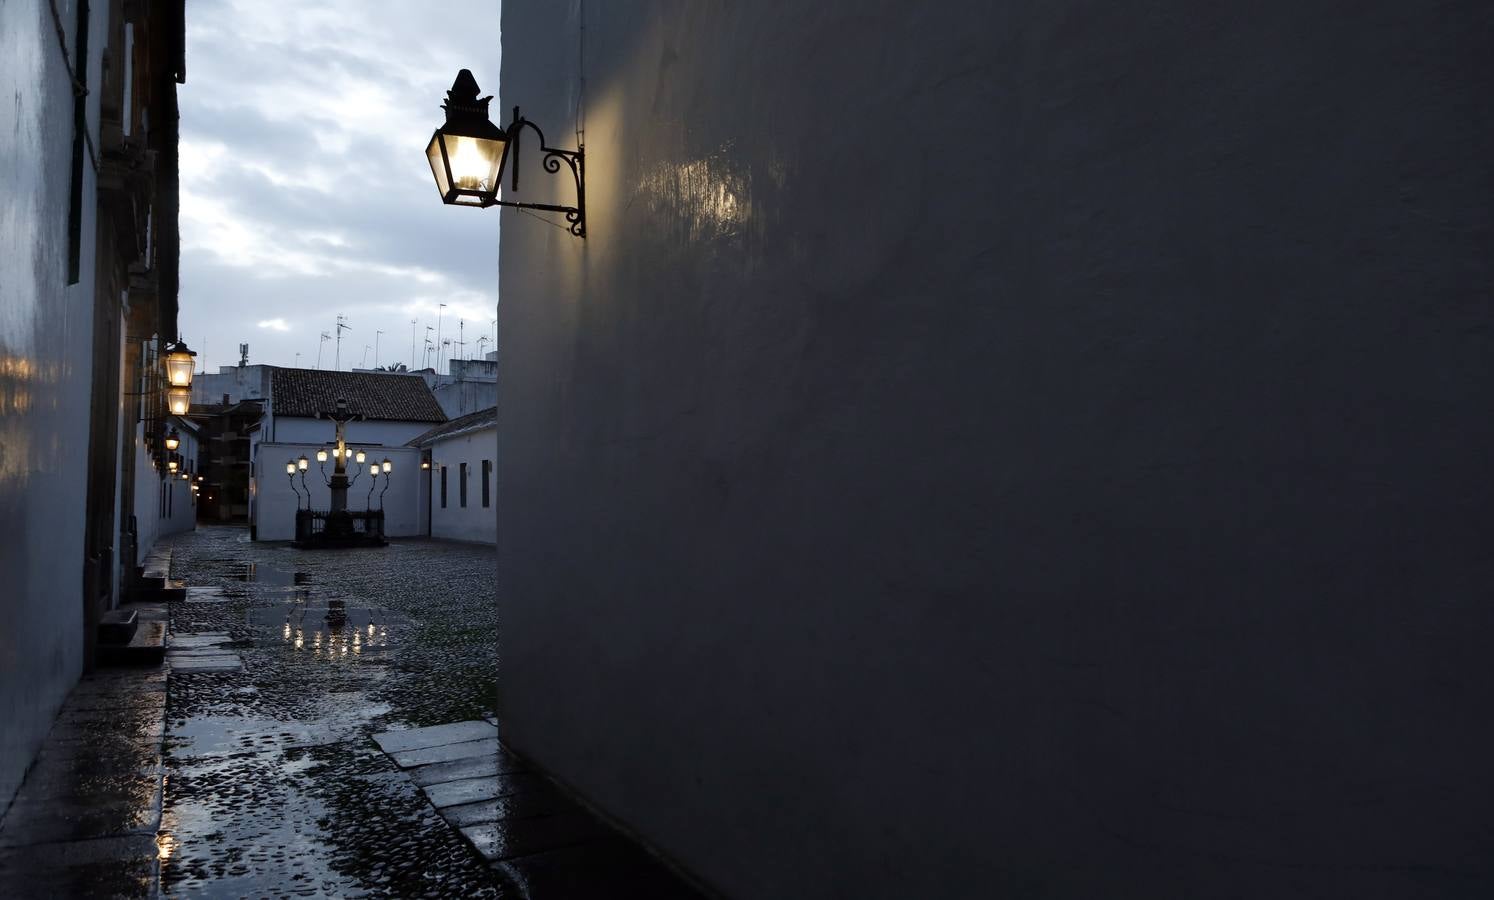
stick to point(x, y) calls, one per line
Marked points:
point(274, 786)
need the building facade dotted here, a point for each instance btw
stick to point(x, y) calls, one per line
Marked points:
point(88, 293)
point(392, 410)
point(460, 488)
point(1008, 449)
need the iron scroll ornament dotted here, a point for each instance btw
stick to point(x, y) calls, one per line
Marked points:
point(575, 216)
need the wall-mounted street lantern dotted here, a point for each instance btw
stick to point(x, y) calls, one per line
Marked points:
point(171, 465)
point(178, 400)
point(173, 440)
point(179, 362)
point(388, 466)
point(469, 153)
point(302, 463)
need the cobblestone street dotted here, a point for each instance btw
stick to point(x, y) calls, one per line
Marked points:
point(274, 786)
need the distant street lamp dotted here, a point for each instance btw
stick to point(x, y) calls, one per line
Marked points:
point(290, 474)
point(321, 456)
point(468, 155)
point(388, 466)
point(360, 456)
point(173, 440)
point(302, 463)
point(171, 465)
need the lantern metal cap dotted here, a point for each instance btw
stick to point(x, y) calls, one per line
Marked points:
point(467, 113)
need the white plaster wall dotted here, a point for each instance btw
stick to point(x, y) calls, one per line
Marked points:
point(43, 391)
point(274, 503)
point(182, 508)
point(475, 522)
point(1009, 449)
point(391, 434)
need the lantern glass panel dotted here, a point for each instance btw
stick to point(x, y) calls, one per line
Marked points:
point(471, 168)
point(179, 367)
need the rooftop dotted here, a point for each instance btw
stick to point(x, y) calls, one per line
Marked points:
point(483, 418)
point(373, 395)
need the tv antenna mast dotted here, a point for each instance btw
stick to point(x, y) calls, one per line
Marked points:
point(320, 344)
point(376, 348)
point(342, 324)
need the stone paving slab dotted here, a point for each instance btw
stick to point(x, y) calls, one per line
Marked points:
point(456, 770)
point(521, 805)
point(105, 867)
point(434, 736)
point(509, 838)
point(225, 662)
point(427, 755)
point(198, 639)
point(456, 793)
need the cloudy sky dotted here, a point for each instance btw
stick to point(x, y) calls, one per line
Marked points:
point(305, 190)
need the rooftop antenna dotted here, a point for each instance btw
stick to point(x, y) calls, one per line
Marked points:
point(462, 338)
point(298, 359)
point(363, 363)
point(243, 355)
point(376, 348)
point(429, 346)
point(320, 344)
point(440, 308)
point(413, 323)
point(342, 325)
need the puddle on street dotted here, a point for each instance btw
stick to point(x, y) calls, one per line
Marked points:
point(267, 576)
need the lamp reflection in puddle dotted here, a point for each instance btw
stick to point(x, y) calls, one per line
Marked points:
point(165, 845)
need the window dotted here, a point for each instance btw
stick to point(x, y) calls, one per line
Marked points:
point(462, 484)
point(487, 478)
point(443, 487)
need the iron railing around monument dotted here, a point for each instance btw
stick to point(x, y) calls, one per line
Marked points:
point(312, 522)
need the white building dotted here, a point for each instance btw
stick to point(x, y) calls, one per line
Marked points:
point(164, 500)
point(459, 487)
point(393, 409)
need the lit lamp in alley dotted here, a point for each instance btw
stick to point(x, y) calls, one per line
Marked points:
point(469, 153)
point(171, 465)
point(388, 466)
point(173, 440)
point(302, 463)
point(179, 362)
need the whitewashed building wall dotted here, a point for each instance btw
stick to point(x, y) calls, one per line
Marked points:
point(476, 518)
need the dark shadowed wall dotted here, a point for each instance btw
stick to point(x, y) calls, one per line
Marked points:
point(1010, 449)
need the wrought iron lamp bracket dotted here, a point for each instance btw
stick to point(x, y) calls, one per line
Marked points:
point(554, 157)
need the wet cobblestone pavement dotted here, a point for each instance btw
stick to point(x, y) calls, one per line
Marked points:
point(274, 787)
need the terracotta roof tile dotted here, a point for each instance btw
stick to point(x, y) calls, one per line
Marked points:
point(374, 395)
point(483, 418)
